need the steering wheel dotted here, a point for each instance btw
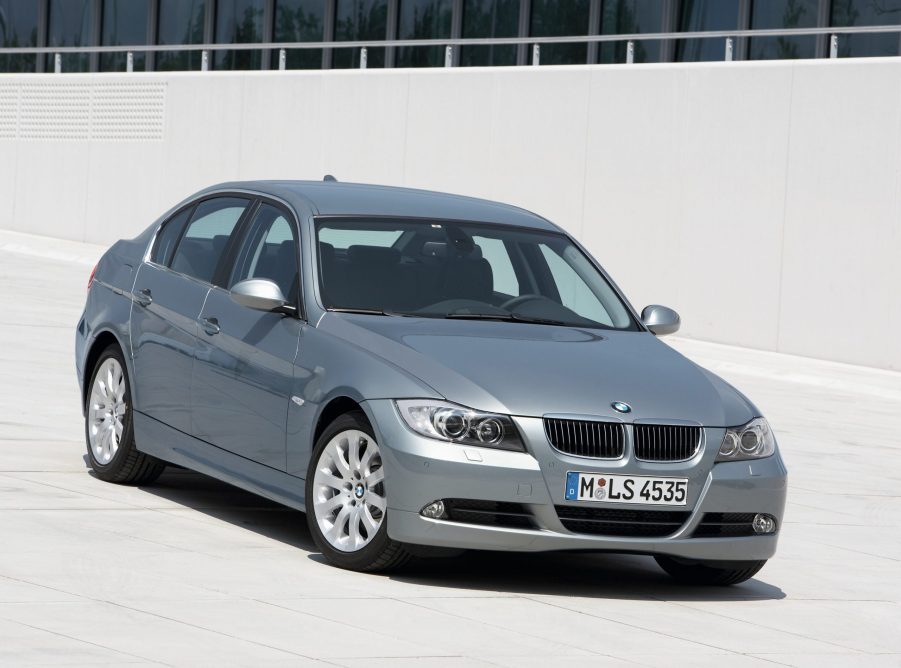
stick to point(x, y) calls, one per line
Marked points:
point(515, 302)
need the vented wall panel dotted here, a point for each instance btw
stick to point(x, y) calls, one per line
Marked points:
point(83, 111)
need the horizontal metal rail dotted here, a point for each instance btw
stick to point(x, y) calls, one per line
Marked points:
point(463, 41)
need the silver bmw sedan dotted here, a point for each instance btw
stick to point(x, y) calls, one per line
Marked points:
point(419, 372)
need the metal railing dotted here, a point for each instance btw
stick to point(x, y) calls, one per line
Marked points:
point(450, 44)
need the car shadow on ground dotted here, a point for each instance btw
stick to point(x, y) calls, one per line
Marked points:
point(580, 574)
point(233, 505)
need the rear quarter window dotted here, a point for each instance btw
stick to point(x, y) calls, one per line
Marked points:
point(164, 246)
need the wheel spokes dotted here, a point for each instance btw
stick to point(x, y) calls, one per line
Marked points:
point(375, 477)
point(348, 511)
point(376, 501)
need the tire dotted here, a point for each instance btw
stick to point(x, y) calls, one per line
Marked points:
point(108, 428)
point(345, 499)
point(709, 573)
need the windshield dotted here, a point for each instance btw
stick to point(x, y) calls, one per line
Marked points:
point(462, 270)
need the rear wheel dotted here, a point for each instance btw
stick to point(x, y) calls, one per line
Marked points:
point(347, 508)
point(108, 425)
point(710, 573)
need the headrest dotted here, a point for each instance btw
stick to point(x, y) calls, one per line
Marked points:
point(434, 249)
point(439, 249)
point(373, 255)
point(286, 249)
point(326, 251)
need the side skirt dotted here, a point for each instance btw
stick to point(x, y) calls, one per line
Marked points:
point(171, 445)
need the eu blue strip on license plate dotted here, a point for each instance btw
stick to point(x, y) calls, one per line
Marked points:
point(572, 486)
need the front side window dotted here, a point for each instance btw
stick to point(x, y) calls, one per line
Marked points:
point(204, 241)
point(441, 269)
point(269, 250)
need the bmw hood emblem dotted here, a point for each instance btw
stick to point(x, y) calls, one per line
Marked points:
point(621, 407)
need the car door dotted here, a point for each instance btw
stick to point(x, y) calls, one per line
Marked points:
point(243, 371)
point(169, 291)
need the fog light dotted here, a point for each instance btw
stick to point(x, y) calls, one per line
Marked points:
point(435, 510)
point(762, 524)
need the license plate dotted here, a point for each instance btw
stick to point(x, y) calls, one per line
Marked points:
point(626, 489)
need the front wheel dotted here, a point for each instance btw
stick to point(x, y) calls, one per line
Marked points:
point(347, 506)
point(709, 573)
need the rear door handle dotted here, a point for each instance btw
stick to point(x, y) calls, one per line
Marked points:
point(210, 326)
point(144, 298)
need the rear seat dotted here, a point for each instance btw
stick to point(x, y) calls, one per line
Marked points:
point(199, 257)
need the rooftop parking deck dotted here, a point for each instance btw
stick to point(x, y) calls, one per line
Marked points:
point(190, 571)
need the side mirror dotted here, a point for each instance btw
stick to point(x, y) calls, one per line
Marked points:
point(260, 294)
point(660, 319)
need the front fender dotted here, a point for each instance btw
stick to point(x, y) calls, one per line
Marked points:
point(328, 368)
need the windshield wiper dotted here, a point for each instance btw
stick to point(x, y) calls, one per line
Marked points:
point(372, 311)
point(504, 317)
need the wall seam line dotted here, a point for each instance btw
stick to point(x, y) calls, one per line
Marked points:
point(785, 183)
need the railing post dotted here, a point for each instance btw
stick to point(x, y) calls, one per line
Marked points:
point(282, 59)
point(448, 56)
point(364, 56)
point(833, 46)
point(630, 52)
point(57, 63)
point(129, 62)
point(728, 48)
point(204, 60)
point(536, 54)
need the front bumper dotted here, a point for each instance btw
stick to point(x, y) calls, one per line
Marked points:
point(421, 470)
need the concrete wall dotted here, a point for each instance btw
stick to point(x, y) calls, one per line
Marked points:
point(761, 200)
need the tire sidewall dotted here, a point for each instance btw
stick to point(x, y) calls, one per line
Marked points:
point(365, 557)
point(126, 442)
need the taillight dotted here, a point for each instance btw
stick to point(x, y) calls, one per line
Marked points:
point(91, 277)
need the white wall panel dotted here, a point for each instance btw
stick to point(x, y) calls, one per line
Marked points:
point(762, 200)
point(841, 279)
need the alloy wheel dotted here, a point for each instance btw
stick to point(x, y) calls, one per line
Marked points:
point(106, 411)
point(349, 490)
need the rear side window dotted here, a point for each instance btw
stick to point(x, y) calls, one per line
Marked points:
point(161, 253)
point(205, 240)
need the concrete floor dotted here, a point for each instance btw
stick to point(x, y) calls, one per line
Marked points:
point(190, 571)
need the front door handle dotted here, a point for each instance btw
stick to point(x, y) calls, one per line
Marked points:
point(144, 297)
point(210, 326)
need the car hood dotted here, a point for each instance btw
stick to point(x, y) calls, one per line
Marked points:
point(536, 370)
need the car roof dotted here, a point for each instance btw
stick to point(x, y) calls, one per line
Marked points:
point(359, 199)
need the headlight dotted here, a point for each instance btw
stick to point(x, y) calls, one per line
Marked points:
point(458, 424)
point(752, 441)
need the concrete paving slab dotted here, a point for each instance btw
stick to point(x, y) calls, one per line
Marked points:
point(190, 571)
